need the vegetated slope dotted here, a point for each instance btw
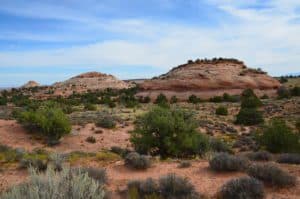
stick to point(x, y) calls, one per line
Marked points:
point(209, 78)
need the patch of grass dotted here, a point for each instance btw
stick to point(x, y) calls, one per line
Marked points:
point(107, 156)
point(77, 155)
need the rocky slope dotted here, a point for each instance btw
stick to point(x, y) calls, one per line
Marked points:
point(88, 81)
point(207, 78)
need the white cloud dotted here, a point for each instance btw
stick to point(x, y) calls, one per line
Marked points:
point(261, 37)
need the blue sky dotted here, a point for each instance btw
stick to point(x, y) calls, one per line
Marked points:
point(51, 40)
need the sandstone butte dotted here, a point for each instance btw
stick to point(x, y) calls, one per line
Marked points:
point(30, 84)
point(208, 78)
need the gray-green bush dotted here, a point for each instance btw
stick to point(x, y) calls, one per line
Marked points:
point(270, 173)
point(242, 188)
point(226, 162)
point(60, 185)
point(137, 161)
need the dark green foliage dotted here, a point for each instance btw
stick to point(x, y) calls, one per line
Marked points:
point(226, 162)
point(230, 98)
point(269, 173)
point(216, 99)
point(137, 161)
point(249, 116)
point(283, 92)
point(242, 188)
point(260, 156)
point(283, 80)
point(3, 101)
point(162, 100)
point(91, 139)
point(129, 101)
point(277, 137)
point(173, 100)
point(106, 121)
point(251, 102)
point(144, 100)
point(225, 98)
point(49, 121)
point(168, 132)
point(120, 151)
point(289, 158)
point(295, 91)
point(90, 107)
point(194, 99)
point(222, 110)
point(218, 145)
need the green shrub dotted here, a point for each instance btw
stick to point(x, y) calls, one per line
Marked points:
point(249, 116)
point(147, 189)
point(91, 139)
point(289, 158)
point(3, 101)
point(173, 100)
point(90, 107)
point(230, 98)
point(249, 99)
point(270, 173)
point(216, 99)
point(64, 184)
point(106, 121)
point(283, 92)
point(260, 156)
point(218, 145)
point(222, 110)
point(295, 91)
point(226, 162)
point(194, 99)
point(277, 137)
point(51, 122)
point(168, 132)
point(161, 100)
point(129, 101)
point(137, 161)
point(242, 188)
point(120, 151)
point(144, 100)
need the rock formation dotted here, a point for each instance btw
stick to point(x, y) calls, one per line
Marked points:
point(30, 84)
point(90, 81)
point(207, 78)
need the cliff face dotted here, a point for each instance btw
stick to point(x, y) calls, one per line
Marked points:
point(211, 76)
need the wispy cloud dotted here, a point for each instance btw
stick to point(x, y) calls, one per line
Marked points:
point(262, 34)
